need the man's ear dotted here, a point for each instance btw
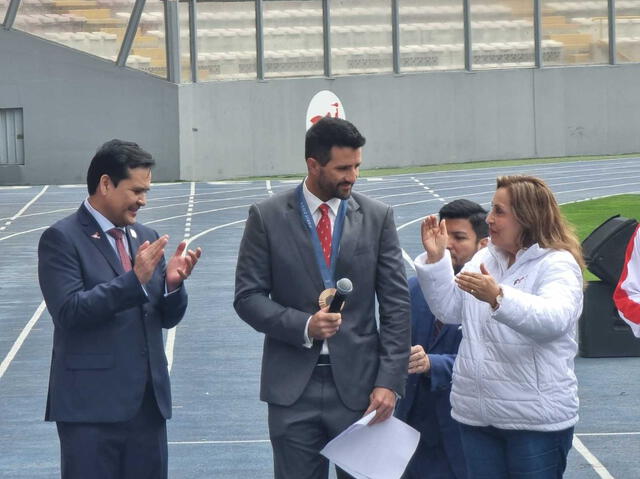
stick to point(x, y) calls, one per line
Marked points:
point(313, 166)
point(483, 242)
point(104, 184)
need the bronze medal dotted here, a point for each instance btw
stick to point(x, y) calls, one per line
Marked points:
point(326, 297)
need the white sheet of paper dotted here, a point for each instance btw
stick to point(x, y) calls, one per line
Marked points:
point(381, 451)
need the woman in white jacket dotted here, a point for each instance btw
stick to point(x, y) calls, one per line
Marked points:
point(514, 390)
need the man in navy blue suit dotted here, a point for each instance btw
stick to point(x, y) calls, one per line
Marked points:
point(110, 293)
point(426, 405)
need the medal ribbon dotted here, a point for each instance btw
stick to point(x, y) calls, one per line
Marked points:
point(327, 272)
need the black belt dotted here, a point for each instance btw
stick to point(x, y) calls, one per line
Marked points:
point(324, 360)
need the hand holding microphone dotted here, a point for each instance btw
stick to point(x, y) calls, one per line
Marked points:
point(344, 287)
point(326, 322)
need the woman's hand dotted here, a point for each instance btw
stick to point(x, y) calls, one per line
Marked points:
point(480, 285)
point(434, 238)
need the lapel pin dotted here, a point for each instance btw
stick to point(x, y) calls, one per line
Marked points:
point(95, 235)
point(134, 235)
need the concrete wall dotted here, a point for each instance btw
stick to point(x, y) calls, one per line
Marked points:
point(257, 128)
point(74, 102)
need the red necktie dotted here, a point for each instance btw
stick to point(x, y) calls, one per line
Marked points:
point(324, 232)
point(122, 252)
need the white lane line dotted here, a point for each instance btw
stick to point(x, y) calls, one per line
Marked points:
point(408, 259)
point(14, 187)
point(145, 223)
point(572, 171)
point(421, 202)
point(227, 182)
point(405, 255)
point(149, 208)
point(202, 233)
point(23, 335)
point(268, 184)
point(404, 225)
point(591, 459)
point(207, 193)
point(608, 434)
point(426, 187)
point(171, 334)
point(197, 213)
point(565, 192)
point(246, 441)
point(25, 207)
point(171, 337)
point(23, 233)
point(533, 164)
point(44, 213)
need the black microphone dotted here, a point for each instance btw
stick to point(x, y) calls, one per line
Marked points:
point(344, 287)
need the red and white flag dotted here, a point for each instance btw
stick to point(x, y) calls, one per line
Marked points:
point(627, 293)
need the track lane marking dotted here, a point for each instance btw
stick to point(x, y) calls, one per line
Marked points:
point(21, 338)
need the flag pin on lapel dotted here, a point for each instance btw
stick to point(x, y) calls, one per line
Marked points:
point(134, 235)
point(95, 235)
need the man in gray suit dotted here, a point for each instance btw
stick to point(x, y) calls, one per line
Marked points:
point(322, 371)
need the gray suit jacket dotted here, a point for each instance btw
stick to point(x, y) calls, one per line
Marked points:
point(277, 287)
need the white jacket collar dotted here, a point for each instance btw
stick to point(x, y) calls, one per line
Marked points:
point(525, 254)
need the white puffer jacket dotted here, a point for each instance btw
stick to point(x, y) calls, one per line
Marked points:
point(514, 369)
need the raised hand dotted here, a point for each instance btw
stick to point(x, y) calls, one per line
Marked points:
point(148, 257)
point(434, 238)
point(181, 265)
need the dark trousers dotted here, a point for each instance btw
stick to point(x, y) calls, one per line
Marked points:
point(134, 449)
point(493, 453)
point(300, 431)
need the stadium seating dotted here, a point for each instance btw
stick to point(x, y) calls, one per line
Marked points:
point(431, 34)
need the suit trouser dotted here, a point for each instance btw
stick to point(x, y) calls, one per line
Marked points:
point(298, 432)
point(133, 449)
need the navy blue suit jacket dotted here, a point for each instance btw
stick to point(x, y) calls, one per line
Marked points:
point(107, 341)
point(426, 405)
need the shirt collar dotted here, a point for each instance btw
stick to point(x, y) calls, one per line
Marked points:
point(103, 222)
point(313, 202)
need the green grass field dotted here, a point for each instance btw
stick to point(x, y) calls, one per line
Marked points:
point(585, 216)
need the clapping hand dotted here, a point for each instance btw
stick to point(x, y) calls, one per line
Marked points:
point(181, 265)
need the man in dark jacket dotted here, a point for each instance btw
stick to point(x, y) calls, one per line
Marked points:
point(426, 405)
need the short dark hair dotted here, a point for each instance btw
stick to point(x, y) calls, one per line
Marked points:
point(115, 158)
point(327, 133)
point(468, 210)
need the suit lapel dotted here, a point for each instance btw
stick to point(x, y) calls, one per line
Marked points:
point(350, 235)
point(99, 239)
point(299, 234)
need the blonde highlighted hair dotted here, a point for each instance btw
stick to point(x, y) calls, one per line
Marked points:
point(537, 211)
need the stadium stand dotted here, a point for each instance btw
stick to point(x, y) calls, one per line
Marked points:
point(431, 34)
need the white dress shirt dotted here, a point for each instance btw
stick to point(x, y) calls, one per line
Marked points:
point(313, 202)
point(106, 225)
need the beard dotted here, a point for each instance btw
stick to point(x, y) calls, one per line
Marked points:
point(340, 190)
